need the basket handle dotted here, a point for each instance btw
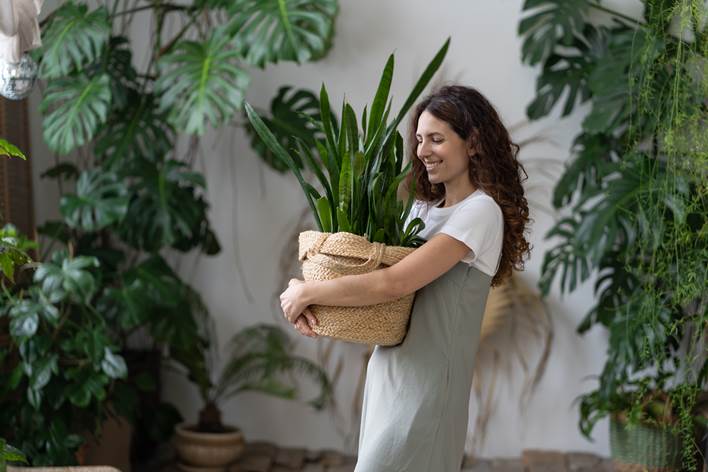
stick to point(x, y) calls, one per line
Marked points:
point(374, 260)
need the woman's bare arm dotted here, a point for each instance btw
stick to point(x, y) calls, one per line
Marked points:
point(413, 272)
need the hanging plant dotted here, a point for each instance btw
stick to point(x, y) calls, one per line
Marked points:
point(633, 198)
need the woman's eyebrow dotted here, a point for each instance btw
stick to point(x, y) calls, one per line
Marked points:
point(432, 133)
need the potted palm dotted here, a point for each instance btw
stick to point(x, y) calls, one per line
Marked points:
point(357, 210)
point(259, 359)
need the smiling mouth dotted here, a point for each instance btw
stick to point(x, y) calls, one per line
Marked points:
point(431, 165)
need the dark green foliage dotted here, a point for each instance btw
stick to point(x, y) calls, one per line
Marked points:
point(126, 198)
point(634, 198)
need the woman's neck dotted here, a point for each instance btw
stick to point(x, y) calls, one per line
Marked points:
point(456, 193)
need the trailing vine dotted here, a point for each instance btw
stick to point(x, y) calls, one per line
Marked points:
point(634, 199)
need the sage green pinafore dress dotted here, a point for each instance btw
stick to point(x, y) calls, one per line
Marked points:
point(416, 398)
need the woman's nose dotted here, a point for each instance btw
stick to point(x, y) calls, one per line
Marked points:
point(423, 149)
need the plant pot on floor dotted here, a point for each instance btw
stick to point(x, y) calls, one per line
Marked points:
point(642, 448)
point(204, 452)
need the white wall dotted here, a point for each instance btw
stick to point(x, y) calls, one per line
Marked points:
point(254, 210)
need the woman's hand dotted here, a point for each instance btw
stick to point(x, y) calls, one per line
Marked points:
point(294, 305)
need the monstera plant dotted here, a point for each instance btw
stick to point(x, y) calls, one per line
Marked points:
point(633, 200)
point(128, 198)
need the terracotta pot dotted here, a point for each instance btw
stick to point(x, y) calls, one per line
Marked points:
point(215, 450)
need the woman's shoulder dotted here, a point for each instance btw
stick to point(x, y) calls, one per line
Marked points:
point(481, 204)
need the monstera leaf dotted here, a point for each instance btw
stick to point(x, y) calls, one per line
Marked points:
point(100, 200)
point(137, 130)
point(292, 114)
point(551, 23)
point(283, 30)
point(166, 209)
point(73, 38)
point(588, 168)
point(119, 67)
point(610, 80)
point(79, 106)
point(202, 83)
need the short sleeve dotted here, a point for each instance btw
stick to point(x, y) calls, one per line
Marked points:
point(479, 224)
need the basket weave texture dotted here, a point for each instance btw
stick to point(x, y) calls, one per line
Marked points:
point(643, 449)
point(326, 256)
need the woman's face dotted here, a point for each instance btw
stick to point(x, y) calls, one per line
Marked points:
point(443, 152)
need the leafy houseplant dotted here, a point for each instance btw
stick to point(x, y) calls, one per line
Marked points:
point(13, 253)
point(635, 198)
point(127, 199)
point(356, 207)
point(359, 172)
point(259, 359)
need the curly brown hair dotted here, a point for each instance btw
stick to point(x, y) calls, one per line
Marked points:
point(494, 169)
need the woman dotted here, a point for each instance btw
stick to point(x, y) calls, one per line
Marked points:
point(469, 194)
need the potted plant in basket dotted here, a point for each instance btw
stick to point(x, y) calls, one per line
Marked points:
point(356, 209)
point(259, 359)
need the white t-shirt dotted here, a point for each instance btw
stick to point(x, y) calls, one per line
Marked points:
point(476, 221)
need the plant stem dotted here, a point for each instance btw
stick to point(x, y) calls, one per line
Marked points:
point(617, 14)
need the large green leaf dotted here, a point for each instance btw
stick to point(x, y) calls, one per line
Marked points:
point(552, 22)
point(75, 36)
point(288, 30)
point(13, 250)
point(166, 208)
point(201, 83)
point(610, 80)
point(73, 110)
point(118, 60)
point(10, 150)
point(100, 200)
point(560, 73)
point(137, 130)
point(64, 277)
point(292, 114)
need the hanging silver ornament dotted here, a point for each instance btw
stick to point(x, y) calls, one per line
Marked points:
point(17, 78)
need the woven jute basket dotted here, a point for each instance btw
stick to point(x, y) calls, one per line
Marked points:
point(643, 449)
point(326, 256)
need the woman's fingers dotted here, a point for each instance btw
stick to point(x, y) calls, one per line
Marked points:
point(311, 319)
point(302, 325)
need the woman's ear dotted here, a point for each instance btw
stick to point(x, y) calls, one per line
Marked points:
point(472, 143)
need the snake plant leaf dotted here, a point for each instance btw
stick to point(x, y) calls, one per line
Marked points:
point(380, 99)
point(166, 208)
point(10, 150)
point(100, 200)
point(283, 30)
point(419, 86)
point(324, 211)
point(294, 114)
point(74, 37)
point(201, 83)
point(137, 130)
point(79, 106)
point(552, 22)
point(272, 142)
